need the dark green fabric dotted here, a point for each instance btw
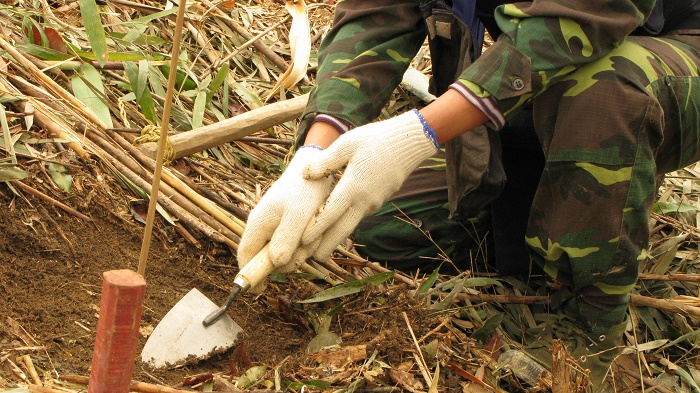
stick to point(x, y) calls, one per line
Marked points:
point(413, 230)
point(607, 131)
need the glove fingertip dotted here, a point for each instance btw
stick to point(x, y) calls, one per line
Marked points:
point(324, 251)
point(312, 232)
point(279, 255)
point(330, 161)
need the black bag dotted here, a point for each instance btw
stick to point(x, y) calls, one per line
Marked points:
point(475, 172)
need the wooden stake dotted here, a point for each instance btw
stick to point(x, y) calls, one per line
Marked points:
point(123, 292)
point(200, 139)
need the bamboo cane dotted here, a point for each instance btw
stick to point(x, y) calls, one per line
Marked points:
point(184, 209)
point(50, 84)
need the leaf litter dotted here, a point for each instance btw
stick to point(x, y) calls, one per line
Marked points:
point(80, 81)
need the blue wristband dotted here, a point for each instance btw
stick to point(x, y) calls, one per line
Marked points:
point(429, 132)
point(312, 146)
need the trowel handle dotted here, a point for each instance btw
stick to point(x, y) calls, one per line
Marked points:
point(257, 269)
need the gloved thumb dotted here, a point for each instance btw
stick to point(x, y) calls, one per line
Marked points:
point(330, 160)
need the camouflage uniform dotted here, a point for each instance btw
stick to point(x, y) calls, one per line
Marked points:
point(611, 111)
point(412, 230)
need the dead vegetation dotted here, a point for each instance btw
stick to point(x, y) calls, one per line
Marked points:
point(72, 102)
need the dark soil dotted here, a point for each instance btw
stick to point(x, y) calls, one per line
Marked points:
point(51, 266)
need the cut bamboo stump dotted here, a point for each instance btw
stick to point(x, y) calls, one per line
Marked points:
point(123, 292)
point(200, 139)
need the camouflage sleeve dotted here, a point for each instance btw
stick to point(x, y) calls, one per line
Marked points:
point(542, 42)
point(363, 58)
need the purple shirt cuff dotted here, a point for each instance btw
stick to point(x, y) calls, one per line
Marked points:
point(340, 125)
point(486, 105)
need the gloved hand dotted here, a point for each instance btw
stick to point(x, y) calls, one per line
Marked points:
point(378, 159)
point(282, 214)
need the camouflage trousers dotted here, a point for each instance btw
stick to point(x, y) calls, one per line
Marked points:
point(412, 230)
point(606, 132)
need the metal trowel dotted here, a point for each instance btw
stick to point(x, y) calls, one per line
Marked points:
point(196, 328)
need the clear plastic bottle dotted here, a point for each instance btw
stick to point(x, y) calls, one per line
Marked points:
point(522, 366)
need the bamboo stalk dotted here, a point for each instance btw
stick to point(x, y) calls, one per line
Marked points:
point(177, 184)
point(136, 386)
point(187, 235)
point(666, 305)
point(203, 44)
point(54, 128)
point(202, 138)
point(245, 45)
point(671, 277)
point(44, 389)
point(50, 84)
point(235, 209)
point(16, 370)
point(27, 360)
point(50, 200)
point(226, 189)
point(44, 116)
point(189, 213)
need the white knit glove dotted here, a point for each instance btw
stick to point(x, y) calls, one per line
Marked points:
point(282, 214)
point(378, 158)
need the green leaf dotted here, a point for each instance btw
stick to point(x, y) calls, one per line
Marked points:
point(481, 282)
point(182, 81)
point(43, 53)
point(219, 80)
point(688, 379)
point(687, 336)
point(8, 142)
point(87, 94)
point(447, 301)
point(428, 283)
point(144, 20)
point(138, 79)
point(12, 173)
point(484, 332)
point(225, 99)
point(27, 28)
point(94, 29)
point(252, 375)
point(349, 288)
point(296, 386)
point(198, 110)
point(138, 37)
point(325, 339)
point(246, 94)
point(60, 176)
point(673, 207)
point(648, 346)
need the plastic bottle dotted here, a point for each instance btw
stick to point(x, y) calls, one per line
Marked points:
point(522, 366)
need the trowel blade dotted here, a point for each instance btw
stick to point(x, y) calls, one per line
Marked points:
point(181, 338)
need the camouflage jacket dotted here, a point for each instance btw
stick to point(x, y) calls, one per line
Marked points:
point(372, 42)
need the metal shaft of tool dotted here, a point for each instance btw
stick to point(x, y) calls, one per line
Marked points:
point(217, 314)
point(239, 286)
